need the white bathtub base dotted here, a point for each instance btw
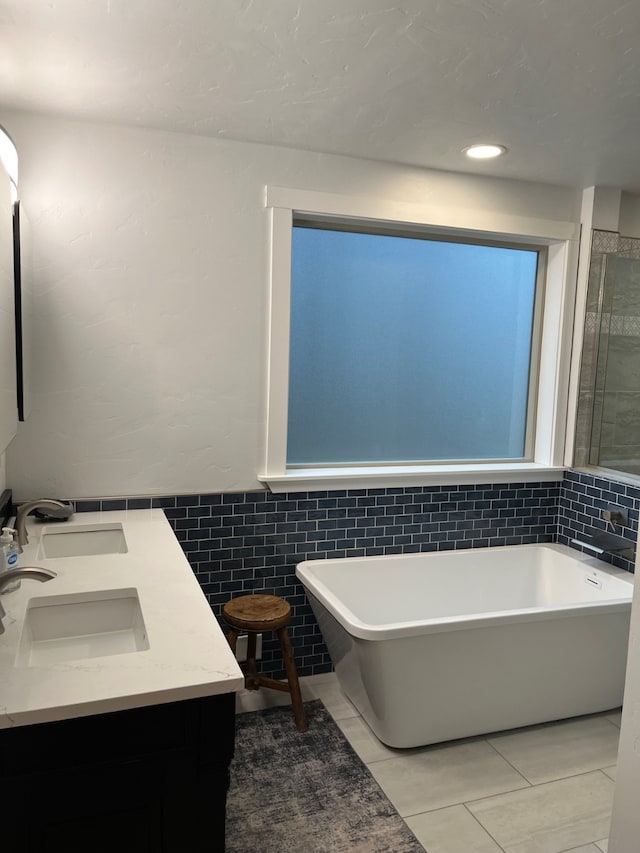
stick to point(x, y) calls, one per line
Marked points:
point(420, 690)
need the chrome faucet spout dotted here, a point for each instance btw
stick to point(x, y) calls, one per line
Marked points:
point(24, 510)
point(34, 573)
point(31, 573)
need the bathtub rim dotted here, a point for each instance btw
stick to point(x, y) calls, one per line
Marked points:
point(397, 630)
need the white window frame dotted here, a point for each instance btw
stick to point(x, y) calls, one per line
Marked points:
point(561, 240)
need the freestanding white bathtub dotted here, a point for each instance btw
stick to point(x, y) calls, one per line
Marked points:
point(431, 647)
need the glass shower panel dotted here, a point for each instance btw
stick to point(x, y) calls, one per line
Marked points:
point(615, 439)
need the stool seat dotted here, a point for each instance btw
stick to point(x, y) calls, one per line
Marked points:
point(257, 612)
point(254, 614)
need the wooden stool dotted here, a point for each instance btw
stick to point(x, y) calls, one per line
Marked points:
point(256, 613)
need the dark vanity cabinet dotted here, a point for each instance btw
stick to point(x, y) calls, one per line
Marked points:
point(145, 780)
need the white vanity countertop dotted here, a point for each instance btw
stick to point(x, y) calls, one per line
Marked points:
point(188, 655)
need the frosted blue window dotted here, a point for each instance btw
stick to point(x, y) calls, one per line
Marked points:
point(407, 350)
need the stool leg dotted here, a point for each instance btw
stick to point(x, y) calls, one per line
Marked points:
point(292, 677)
point(252, 681)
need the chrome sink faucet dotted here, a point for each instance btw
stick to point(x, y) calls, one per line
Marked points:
point(24, 510)
point(33, 573)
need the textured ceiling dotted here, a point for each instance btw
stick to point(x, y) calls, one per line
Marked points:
point(557, 81)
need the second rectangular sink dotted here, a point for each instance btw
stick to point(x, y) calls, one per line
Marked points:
point(80, 626)
point(82, 540)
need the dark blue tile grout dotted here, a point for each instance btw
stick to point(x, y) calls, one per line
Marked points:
point(244, 542)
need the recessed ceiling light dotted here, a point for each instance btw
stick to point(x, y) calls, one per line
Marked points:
point(483, 151)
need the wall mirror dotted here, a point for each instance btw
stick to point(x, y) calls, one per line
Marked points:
point(23, 307)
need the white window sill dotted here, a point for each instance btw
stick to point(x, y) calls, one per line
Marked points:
point(330, 479)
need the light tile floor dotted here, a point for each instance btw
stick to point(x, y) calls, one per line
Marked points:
point(541, 789)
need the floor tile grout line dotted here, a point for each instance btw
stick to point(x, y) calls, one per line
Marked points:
point(433, 747)
point(532, 787)
point(466, 803)
point(381, 760)
point(555, 779)
point(484, 828)
point(513, 767)
point(404, 820)
point(601, 770)
point(567, 849)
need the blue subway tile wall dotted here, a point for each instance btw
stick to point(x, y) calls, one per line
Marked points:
point(251, 542)
point(583, 497)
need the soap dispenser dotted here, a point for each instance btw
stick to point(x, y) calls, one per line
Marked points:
point(9, 549)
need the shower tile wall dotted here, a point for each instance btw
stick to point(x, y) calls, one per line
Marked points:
point(608, 427)
point(251, 542)
point(620, 431)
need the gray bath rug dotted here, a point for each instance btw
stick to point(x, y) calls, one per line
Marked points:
point(294, 792)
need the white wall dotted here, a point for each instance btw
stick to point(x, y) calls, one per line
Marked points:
point(625, 819)
point(150, 280)
point(8, 398)
point(629, 222)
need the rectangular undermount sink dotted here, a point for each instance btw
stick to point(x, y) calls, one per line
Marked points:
point(82, 540)
point(81, 626)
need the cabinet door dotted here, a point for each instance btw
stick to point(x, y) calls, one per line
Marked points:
point(145, 780)
point(101, 810)
point(8, 399)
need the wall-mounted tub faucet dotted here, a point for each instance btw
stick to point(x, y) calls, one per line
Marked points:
point(614, 515)
point(612, 544)
point(25, 509)
point(33, 573)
